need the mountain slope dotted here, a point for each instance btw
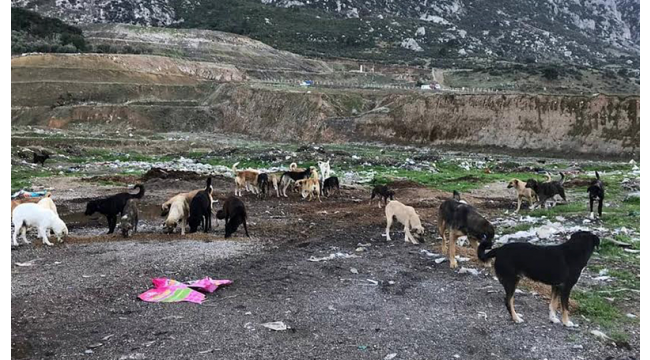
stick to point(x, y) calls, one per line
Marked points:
point(440, 33)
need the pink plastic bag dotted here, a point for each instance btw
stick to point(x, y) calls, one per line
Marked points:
point(169, 290)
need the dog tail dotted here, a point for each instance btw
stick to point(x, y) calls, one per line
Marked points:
point(456, 195)
point(562, 179)
point(208, 185)
point(140, 193)
point(234, 167)
point(548, 177)
point(484, 245)
point(597, 176)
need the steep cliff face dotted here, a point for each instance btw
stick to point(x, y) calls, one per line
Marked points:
point(599, 125)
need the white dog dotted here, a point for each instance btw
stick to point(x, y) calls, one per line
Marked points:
point(44, 220)
point(405, 215)
point(324, 169)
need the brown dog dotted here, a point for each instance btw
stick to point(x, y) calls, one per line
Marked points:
point(245, 179)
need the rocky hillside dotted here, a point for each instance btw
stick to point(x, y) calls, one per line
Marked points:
point(439, 33)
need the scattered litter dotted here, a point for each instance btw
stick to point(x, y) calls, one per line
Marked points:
point(630, 315)
point(111, 335)
point(169, 290)
point(578, 347)
point(135, 356)
point(600, 335)
point(276, 325)
point(390, 356)
point(362, 347)
point(361, 249)
point(331, 308)
point(332, 256)
point(364, 245)
point(603, 272)
point(57, 262)
point(464, 270)
point(428, 253)
point(602, 278)
point(374, 282)
point(517, 291)
point(206, 351)
point(440, 260)
point(88, 351)
point(632, 251)
point(461, 259)
point(354, 270)
point(24, 264)
point(96, 345)
point(482, 314)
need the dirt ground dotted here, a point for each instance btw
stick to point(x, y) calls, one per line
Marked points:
point(79, 299)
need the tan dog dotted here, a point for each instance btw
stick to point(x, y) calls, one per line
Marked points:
point(405, 215)
point(523, 193)
point(178, 209)
point(294, 167)
point(17, 202)
point(274, 179)
point(310, 186)
point(245, 179)
point(47, 203)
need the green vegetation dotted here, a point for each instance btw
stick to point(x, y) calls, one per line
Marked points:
point(31, 32)
point(597, 309)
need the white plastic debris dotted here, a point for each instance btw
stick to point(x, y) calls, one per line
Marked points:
point(276, 325)
point(464, 270)
point(354, 270)
point(599, 334)
point(332, 256)
point(428, 253)
point(440, 260)
point(390, 356)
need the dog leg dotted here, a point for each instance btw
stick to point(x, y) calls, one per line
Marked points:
point(600, 208)
point(246, 228)
point(518, 204)
point(23, 233)
point(509, 286)
point(389, 222)
point(552, 306)
point(43, 235)
point(441, 231)
point(14, 241)
point(565, 291)
point(452, 249)
point(183, 225)
point(379, 204)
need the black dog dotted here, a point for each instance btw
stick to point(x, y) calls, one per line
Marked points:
point(547, 190)
point(201, 209)
point(234, 212)
point(112, 205)
point(40, 158)
point(330, 184)
point(596, 192)
point(461, 219)
point(263, 183)
point(382, 192)
point(559, 266)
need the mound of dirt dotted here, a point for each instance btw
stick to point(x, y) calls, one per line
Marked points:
point(158, 173)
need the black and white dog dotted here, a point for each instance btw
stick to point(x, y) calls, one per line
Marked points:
point(330, 184)
point(558, 265)
point(596, 192)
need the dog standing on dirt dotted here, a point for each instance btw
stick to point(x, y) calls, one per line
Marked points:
point(407, 216)
point(177, 208)
point(461, 219)
point(234, 213)
point(596, 192)
point(112, 205)
point(523, 193)
point(382, 192)
point(245, 179)
point(558, 265)
point(44, 220)
point(289, 177)
point(201, 209)
point(311, 186)
point(40, 158)
point(129, 221)
point(324, 167)
point(547, 190)
point(330, 184)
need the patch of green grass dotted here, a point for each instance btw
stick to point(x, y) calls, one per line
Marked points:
point(21, 177)
point(626, 278)
point(619, 336)
point(597, 309)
